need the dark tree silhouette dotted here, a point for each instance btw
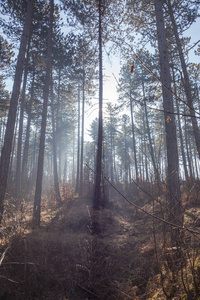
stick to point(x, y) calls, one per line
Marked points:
point(38, 190)
point(97, 190)
point(7, 147)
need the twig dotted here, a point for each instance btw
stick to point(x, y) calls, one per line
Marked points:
point(148, 213)
point(124, 293)
point(9, 279)
point(3, 255)
point(154, 108)
point(85, 289)
point(192, 46)
point(19, 263)
point(158, 79)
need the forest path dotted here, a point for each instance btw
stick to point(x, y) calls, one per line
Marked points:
point(77, 216)
point(79, 253)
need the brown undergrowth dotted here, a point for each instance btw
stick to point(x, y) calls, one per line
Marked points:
point(78, 253)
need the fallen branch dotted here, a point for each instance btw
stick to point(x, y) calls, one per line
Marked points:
point(88, 291)
point(13, 281)
point(3, 255)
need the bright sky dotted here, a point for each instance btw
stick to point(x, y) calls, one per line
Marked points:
point(111, 66)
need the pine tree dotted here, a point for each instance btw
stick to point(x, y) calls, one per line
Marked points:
point(38, 190)
point(175, 205)
point(7, 147)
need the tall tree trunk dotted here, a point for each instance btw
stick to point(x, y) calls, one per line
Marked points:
point(145, 147)
point(54, 146)
point(125, 156)
point(58, 122)
point(191, 156)
point(31, 167)
point(180, 132)
point(175, 205)
point(97, 190)
point(7, 147)
point(78, 144)
point(82, 136)
point(195, 164)
point(12, 159)
point(73, 158)
point(2, 131)
point(38, 189)
point(134, 143)
point(186, 82)
point(24, 174)
point(111, 156)
point(187, 149)
point(151, 149)
point(20, 133)
point(1, 136)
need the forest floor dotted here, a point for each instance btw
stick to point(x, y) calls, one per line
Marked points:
point(81, 254)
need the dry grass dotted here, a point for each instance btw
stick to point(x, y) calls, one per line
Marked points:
point(79, 253)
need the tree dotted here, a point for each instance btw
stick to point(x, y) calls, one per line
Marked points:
point(38, 190)
point(56, 183)
point(186, 81)
point(123, 149)
point(20, 133)
point(24, 172)
point(82, 134)
point(128, 88)
point(6, 54)
point(97, 189)
point(7, 147)
point(78, 143)
point(175, 205)
point(110, 132)
point(180, 130)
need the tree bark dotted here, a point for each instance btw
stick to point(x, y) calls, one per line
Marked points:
point(11, 176)
point(151, 150)
point(180, 132)
point(187, 150)
point(111, 155)
point(186, 81)
point(78, 144)
point(7, 147)
point(38, 190)
point(59, 123)
point(82, 137)
point(24, 174)
point(134, 143)
point(97, 190)
point(20, 133)
point(54, 146)
point(174, 194)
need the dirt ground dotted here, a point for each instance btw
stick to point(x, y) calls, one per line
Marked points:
point(80, 254)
